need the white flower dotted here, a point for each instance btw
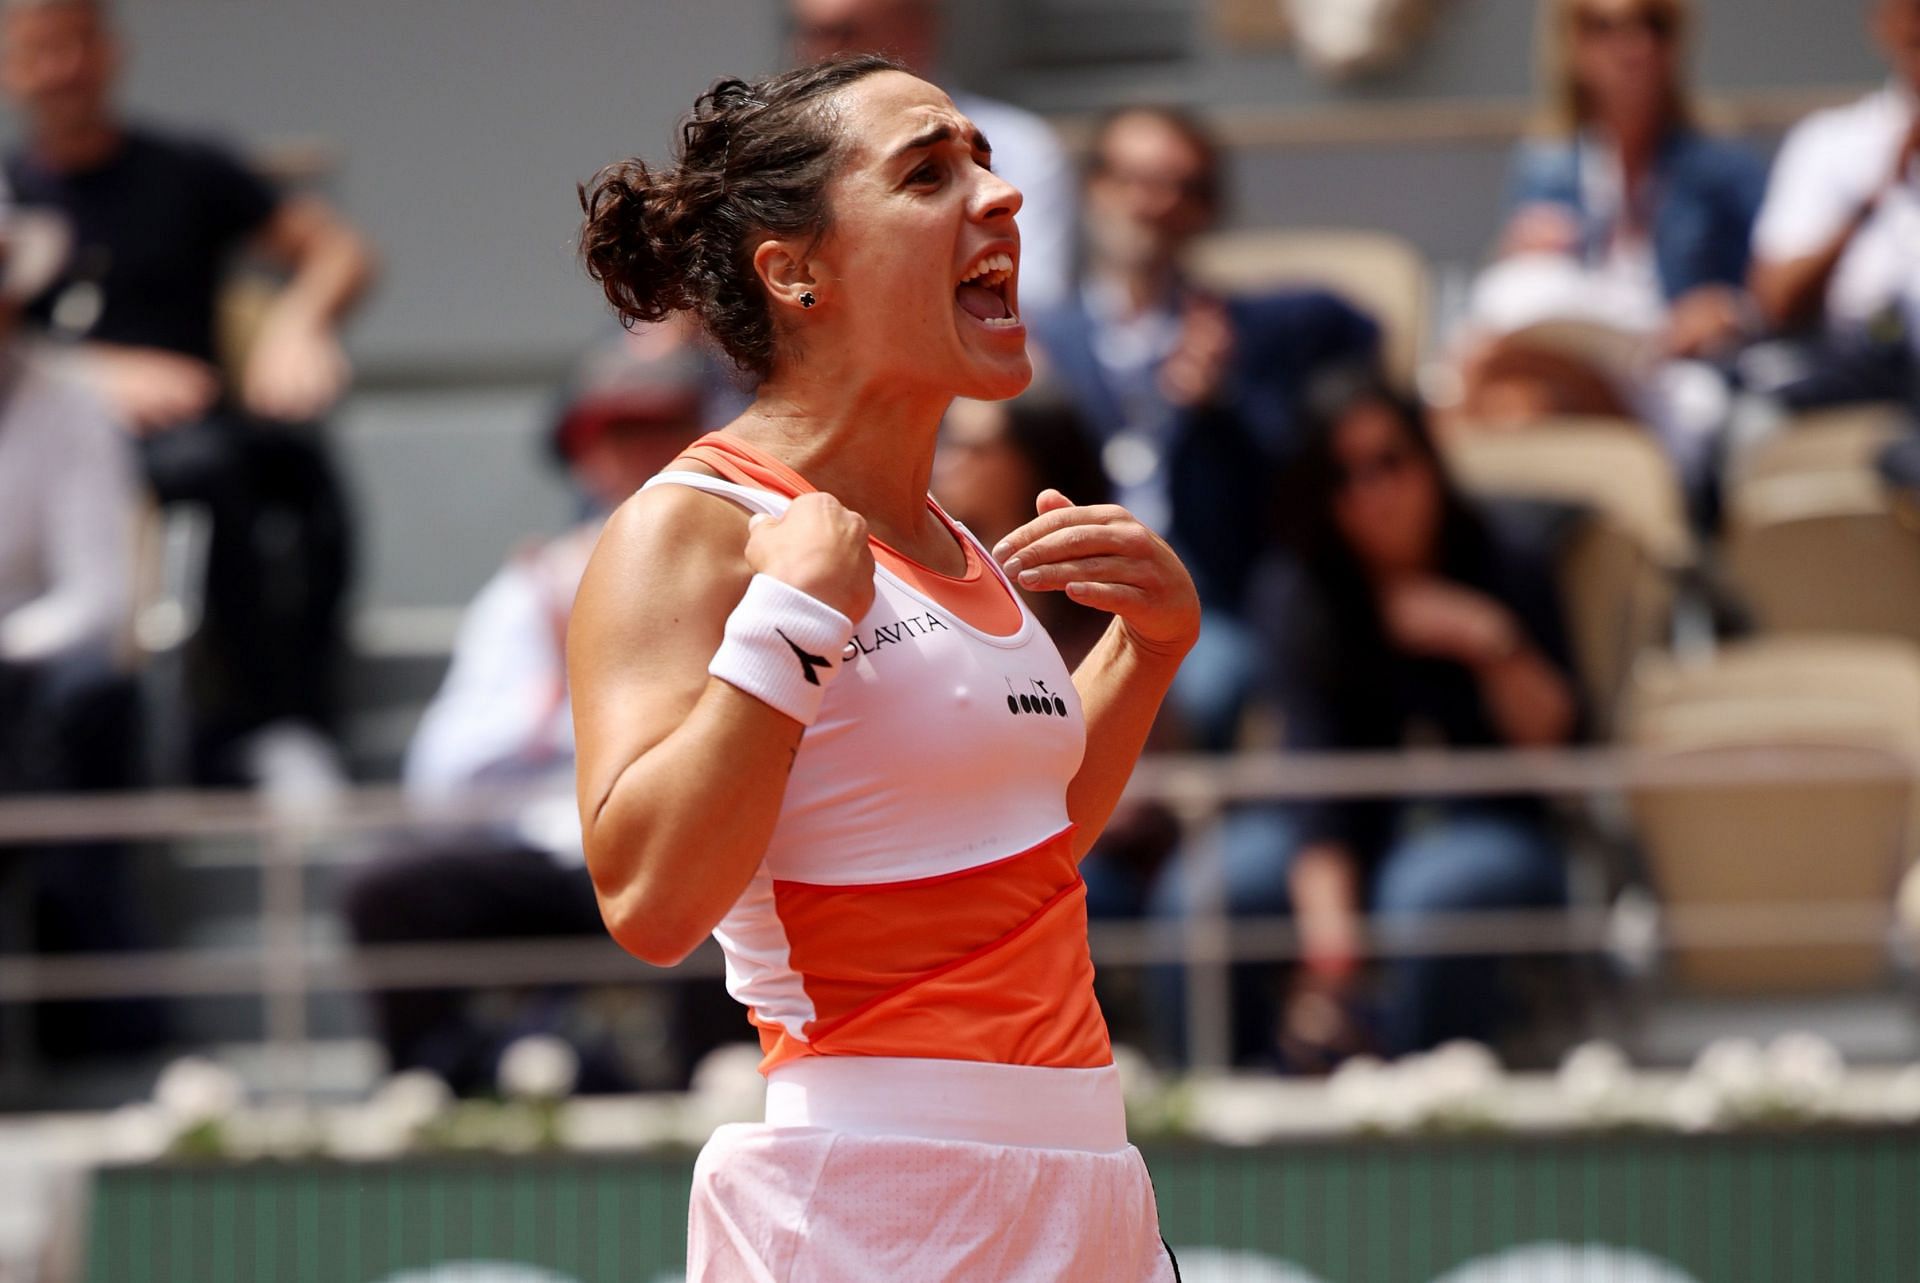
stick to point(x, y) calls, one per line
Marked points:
point(1804, 1069)
point(1734, 1069)
point(1361, 1092)
point(539, 1066)
point(726, 1088)
point(1594, 1077)
point(367, 1133)
point(1694, 1106)
point(193, 1090)
point(1903, 1095)
point(138, 1133)
point(1460, 1075)
point(1139, 1081)
point(412, 1098)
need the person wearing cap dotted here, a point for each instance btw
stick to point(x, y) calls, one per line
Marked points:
point(156, 219)
point(502, 717)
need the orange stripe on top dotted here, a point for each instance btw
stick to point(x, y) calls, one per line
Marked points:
point(979, 596)
point(990, 965)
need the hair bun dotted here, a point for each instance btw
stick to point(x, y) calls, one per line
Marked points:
point(632, 241)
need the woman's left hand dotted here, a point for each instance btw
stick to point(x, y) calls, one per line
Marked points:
point(1102, 557)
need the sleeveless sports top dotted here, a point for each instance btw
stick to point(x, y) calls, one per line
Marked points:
point(919, 897)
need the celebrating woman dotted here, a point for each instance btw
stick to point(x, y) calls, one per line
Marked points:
point(816, 721)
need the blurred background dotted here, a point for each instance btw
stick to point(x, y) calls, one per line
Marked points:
point(1530, 385)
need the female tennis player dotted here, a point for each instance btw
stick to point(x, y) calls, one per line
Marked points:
point(815, 721)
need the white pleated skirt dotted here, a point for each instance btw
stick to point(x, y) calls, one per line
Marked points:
point(927, 1171)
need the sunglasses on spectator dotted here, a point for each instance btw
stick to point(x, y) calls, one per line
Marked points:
point(1650, 21)
point(1384, 465)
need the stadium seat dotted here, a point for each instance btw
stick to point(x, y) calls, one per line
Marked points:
point(1617, 573)
point(1815, 539)
point(1773, 845)
point(1379, 273)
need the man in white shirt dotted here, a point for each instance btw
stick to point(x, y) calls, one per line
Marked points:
point(1838, 241)
point(69, 503)
point(1025, 150)
point(502, 717)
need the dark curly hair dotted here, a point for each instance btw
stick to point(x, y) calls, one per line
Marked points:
point(754, 160)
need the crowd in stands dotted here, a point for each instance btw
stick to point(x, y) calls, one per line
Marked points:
point(1647, 274)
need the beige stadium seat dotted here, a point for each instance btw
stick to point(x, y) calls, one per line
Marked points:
point(1777, 847)
point(1617, 576)
point(1815, 541)
point(1381, 274)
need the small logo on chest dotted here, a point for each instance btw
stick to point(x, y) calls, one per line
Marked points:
point(894, 634)
point(1036, 701)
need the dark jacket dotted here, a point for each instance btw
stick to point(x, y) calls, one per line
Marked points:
point(1224, 457)
point(1708, 194)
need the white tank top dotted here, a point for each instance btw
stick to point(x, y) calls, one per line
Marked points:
point(940, 750)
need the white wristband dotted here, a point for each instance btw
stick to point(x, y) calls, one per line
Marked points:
point(783, 648)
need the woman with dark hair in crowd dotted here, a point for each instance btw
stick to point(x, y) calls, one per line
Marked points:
point(1406, 615)
point(815, 720)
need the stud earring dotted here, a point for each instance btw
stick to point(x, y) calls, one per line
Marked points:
point(807, 299)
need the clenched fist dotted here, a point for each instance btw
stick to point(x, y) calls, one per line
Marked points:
point(820, 547)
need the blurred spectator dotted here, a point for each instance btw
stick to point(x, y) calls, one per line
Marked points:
point(1625, 217)
point(995, 458)
point(1837, 248)
point(69, 502)
point(1191, 397)
point(1025, 151)
point(1408, 616)
point(502, 718)
point(156, 220)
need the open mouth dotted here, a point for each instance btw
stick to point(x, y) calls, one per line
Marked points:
point(984, 292)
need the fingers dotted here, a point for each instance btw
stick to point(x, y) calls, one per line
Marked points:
point(1115, 599)
point(1050, 500)
point(1127, 539)
point(758, 520)
point(1058, 519)
point(1113, 570)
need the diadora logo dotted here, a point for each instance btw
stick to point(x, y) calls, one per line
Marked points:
point(1039, 700)
point(895, 633)
point(808, 660)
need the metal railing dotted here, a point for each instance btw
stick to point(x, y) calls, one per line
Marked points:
point(286, 970)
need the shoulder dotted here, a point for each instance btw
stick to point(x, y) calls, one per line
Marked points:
point(670, 525)
point(1836, 134)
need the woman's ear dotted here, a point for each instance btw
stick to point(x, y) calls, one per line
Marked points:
point(787, 276)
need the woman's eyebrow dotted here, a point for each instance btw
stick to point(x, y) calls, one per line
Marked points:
point(937, 135)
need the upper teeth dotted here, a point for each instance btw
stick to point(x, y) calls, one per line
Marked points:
point(987, 268)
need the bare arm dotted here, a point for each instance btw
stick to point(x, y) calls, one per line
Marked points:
point(1102, 557)
point(1789, 292)
point(297, 367)
point(1530, 702)
point(332, 264)
point(1324, 886)
point(680, 775)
